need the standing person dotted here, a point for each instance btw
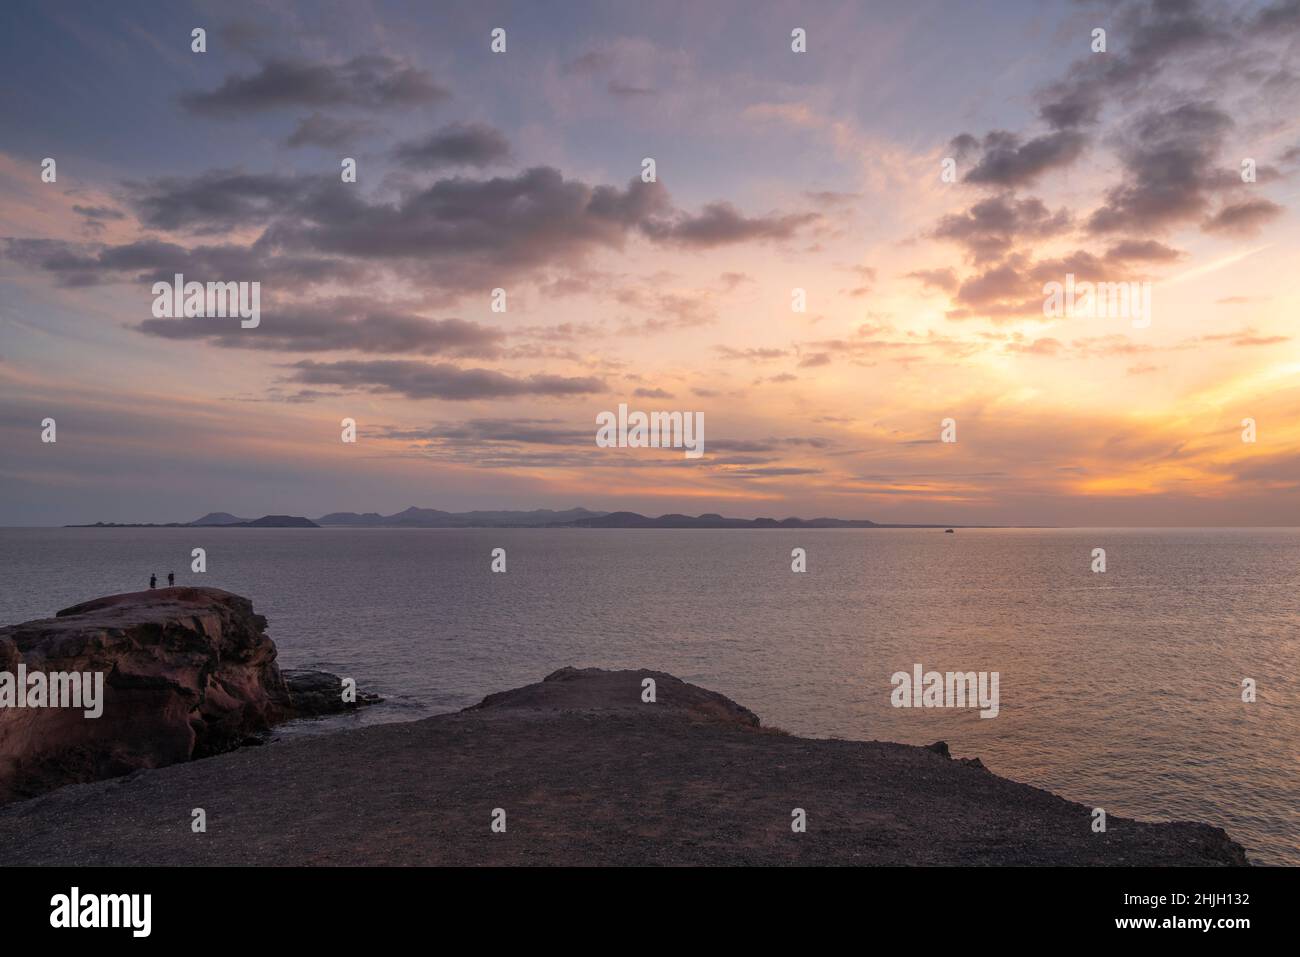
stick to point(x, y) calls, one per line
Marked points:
point(171, 579)
point(153, 580)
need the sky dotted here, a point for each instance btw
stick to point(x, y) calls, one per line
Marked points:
point(919, 175)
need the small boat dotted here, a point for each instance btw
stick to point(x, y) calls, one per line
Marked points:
point(948, 531)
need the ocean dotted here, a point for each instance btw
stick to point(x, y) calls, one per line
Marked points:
point(1121, 690)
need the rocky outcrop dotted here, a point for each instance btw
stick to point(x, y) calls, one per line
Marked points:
point(186, 673)
point(598, 690)
point(315, 694)
point(588, 772)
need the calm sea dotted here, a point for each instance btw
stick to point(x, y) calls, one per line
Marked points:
point(1120, 690)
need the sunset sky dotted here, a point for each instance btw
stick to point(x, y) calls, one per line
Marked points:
point(776, 170)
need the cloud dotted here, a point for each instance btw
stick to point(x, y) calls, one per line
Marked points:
point(944, 280)
point(1008, 162)
point(478, 431)
point(369, 82)
point(95, 217)
point(731, 280)
point(994, 284)
point(1243, 218)
point(337, 325)
point(752, 354)
point(768, 471)
point(456, 234)
point(329, 132)
point(151, 260)
point(1151, 36)
point(1142, 250)
point(1170, 170)
point(423, 380)
point(1280, 17)
point(457, 144)
point(1244, 337)
point(99, 212)
point(219, 200)
point(721, 223)
point(494, 229)
point(990, 228)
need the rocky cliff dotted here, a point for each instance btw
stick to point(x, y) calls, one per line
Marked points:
point(186, 673)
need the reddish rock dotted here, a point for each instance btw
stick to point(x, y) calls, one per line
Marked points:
point(188, 672)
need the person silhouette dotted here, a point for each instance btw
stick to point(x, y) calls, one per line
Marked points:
point(153, 580)
point(171, 579)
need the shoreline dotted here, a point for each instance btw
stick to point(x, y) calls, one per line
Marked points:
point(586, 772)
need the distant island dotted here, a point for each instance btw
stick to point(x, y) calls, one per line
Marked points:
point(266, 521)
point(436, 518)
point(536, 518)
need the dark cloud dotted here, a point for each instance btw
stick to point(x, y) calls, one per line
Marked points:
point(465, 232)
point(1278, 18)
point(1006, 161)
point(652, 394)
point(490, 228)
point(1013, 288)
point(456, 234)
point(99, 212)
point(1145, 36)
point(993, 285)
point(332, 326)
point(423, 380)
point(1170, 170)
point(721, 223)
point(458, 144)
point(218, 200)
point(370, 82)
point(330, 132)
point(1142, 250)
point(1243, 218)
point(990, 228)
point(148, 261)
point(95, 217)
point(1172, 153)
